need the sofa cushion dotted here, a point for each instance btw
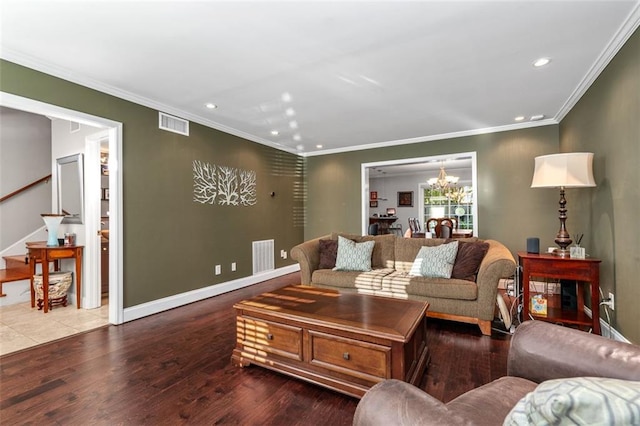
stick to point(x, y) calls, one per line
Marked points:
point(435, 262)
point(383, 251)
point(371, 280)
point(579, 400)
point(328, 251)
point(468, 259)
point(353, 256)
point(401, 284)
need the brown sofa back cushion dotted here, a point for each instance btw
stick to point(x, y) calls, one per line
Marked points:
point(383, 251)
point(328, 253)
point(468, 260)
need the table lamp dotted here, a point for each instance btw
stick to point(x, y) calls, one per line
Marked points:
point(570, 170)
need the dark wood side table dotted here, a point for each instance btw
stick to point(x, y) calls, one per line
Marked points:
point(551, 266)
point(40, 252)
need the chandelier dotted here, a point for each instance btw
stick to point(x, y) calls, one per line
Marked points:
point(443, 181)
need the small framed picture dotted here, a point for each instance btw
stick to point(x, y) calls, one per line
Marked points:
point(105, 193)
point(374, 195)
point(405, 198)
point(373, 204)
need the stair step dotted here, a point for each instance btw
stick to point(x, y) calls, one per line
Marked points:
point(15, 261)
point(16, 270)
point(11, 275)
point(8, 275)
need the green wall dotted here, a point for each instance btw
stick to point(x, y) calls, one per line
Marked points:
point(508, 209)
point(606, 121)
point(171, 243)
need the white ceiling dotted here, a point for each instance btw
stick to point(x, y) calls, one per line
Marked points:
point(344, 75)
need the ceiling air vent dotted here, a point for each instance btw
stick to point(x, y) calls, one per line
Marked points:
point(173, 124)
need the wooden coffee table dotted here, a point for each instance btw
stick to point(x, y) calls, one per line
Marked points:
point(345, 342)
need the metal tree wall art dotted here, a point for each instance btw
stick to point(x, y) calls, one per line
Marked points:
point(223, 185)
point(247, 187)
point(204, 182)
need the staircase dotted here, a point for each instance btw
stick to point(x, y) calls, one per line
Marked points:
point(17, 269)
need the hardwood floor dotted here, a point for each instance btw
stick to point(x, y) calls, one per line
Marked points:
point(174, 367)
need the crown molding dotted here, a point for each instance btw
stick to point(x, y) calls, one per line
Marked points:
point(68, 75)
point(625, 31)
point(622, 35)
point(442, 136)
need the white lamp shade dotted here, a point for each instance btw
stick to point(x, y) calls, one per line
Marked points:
point(570, 170)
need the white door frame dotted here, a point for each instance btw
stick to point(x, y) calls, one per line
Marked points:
point(364, 176)
point(114, 133)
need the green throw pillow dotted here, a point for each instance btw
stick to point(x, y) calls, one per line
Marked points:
point(435, 261)
point(579, 401)
point(353, 256)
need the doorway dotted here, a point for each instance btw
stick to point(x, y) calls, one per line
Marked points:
point(112, 137)
point(413, 174)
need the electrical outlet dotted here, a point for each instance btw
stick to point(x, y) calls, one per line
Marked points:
point(218, 269)
point(612, 303)
point(283, 254)
point(233, 266)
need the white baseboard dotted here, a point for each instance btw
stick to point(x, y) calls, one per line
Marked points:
point(606, 329)
point(166, 303)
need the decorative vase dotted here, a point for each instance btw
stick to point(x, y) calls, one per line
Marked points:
point(52, 222)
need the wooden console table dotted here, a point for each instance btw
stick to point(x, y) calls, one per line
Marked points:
point(551, 266)
point(39, 252)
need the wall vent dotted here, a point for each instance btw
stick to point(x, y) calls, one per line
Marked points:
point(74, 127)
point(263, 256)
point(173, 124)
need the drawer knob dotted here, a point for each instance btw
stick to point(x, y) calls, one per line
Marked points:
point(269, 336)
point(346, 356)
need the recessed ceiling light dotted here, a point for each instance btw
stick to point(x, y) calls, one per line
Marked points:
point(297, 137)
point(275, 132)
point(211, 106)
point(519, 118)
point(318, 146)
point(541, 62)
point(537, 117)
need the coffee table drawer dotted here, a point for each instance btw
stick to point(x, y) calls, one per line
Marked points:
point(353, 357)
point(271, 337)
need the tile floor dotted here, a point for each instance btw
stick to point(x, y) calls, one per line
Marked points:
point(22, 326)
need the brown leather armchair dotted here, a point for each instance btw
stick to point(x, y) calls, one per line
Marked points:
point(539, 351)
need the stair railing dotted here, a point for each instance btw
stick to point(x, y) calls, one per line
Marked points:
point(24, 188)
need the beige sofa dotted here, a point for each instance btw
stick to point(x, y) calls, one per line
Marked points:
point(453, 299)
